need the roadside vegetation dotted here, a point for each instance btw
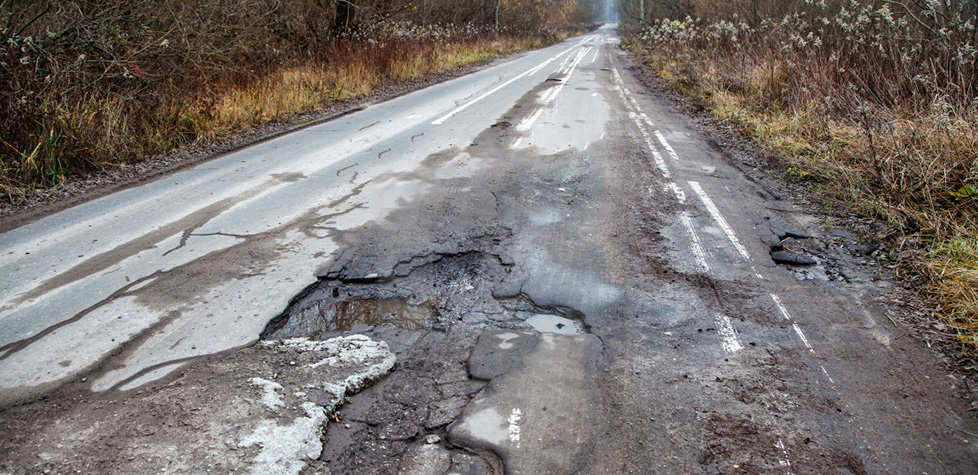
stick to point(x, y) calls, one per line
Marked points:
point(871, 103)
point(92, 84)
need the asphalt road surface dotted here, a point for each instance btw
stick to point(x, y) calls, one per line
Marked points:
point(572, 275)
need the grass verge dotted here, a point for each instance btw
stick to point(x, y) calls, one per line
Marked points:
point(909, 159)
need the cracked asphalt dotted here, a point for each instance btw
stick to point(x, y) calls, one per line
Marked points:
point(571, 276)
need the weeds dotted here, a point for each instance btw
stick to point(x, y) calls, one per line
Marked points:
point(873, 103)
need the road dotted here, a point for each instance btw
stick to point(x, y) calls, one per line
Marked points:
point(573, 275)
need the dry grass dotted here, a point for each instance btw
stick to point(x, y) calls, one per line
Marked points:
point(891, 133)
point(87, 85)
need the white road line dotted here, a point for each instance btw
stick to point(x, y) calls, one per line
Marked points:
point(728, 336)
point(694, 241)
point(497, 88)
point(784, 311)
point(666, 146)
point(802, 336)
point(527, 122)
point(551, 95)
point(678, 191)
point(787, 316)
point(786, 463)
point(514, 426)
point(635, 114)
point(827, 374)
point(595, 57)
point(712, 209)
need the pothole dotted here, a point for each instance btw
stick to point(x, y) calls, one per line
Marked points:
point(345, 313)
point(545, 323)
point(444, 291)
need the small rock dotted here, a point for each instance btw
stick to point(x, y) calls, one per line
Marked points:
point(791, 258)
point(432, 439)
point(346, 425)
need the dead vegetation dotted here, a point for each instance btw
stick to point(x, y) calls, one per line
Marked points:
point(89, 84)
point(872, 103)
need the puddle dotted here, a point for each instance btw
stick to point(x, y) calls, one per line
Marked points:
point(544, 323)
point(332, 315)
point(395, 312)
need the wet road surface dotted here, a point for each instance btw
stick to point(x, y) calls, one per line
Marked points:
point(573, 277)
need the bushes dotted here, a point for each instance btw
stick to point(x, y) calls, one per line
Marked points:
point(873, 102)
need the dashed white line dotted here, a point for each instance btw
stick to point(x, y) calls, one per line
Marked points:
point(728, 336)
point(694, 242)
point(712, 209)
point(827, 375)
point(551, 95)
point(662, 140)
point(514, 426)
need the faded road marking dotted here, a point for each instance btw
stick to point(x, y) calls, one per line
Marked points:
point(694, 241)
point(785, 462)
point(712, 209)
point(728, 336)
point(801, 335)
point(514, 426)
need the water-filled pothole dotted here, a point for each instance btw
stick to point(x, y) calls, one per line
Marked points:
point(546, 323)
point(345, 313)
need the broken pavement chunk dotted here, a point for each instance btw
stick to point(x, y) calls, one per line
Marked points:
point(792, 258)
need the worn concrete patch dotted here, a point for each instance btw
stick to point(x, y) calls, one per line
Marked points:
point(258, 410)
point(521, 417)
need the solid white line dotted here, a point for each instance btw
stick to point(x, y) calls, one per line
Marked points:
point(595, 57)
point(473, 101)
point(517, 143)
point(728, 336)
point(712, 209)
point(784, 311)
point(802, 336)
point(587, 144)
point(497, 88)
point(787, 316)
point(694, 241)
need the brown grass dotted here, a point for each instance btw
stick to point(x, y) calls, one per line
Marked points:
point(86, 85)
point(860, 111)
